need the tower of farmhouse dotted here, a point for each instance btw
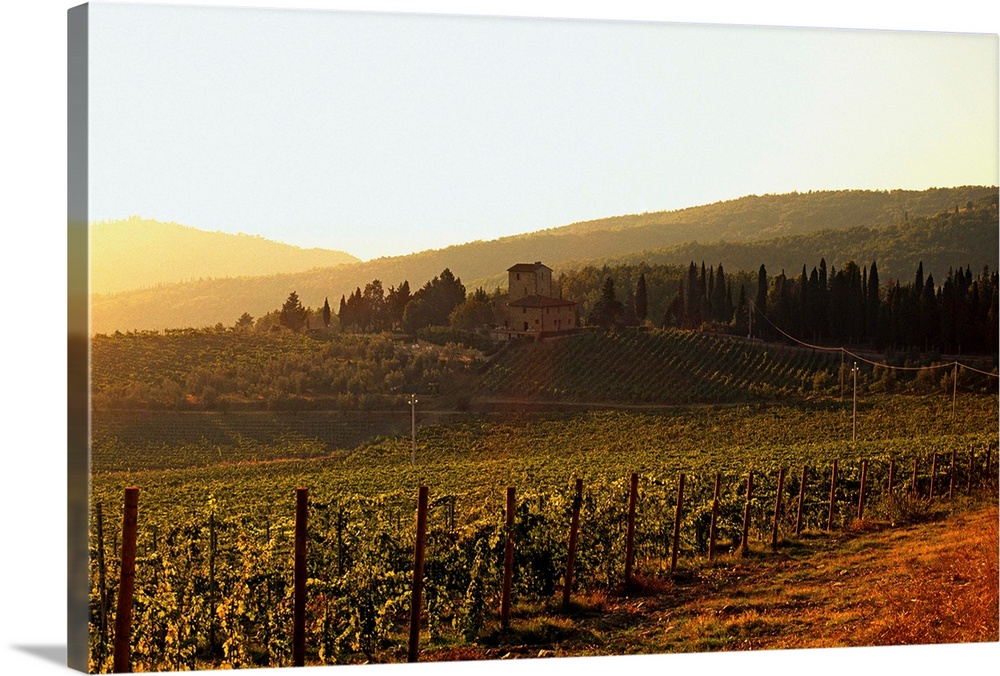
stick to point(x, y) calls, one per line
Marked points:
point(529, 306)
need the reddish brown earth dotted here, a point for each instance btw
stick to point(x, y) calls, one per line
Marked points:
point(929, 583)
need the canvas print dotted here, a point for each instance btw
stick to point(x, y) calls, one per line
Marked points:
point(407, 338)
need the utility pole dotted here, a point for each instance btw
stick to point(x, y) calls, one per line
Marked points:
point(841, 373)
point(954, 389)
point(412, 401)
point(854, 422)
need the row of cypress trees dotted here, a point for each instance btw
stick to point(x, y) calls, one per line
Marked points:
point(849, 306)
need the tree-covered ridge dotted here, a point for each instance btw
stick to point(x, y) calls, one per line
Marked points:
point(848, 306)
point(135, 253)
point(968, 233)
point(855, 303)
point(755, 217)
point(208, 301)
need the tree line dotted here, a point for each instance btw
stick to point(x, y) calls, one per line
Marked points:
point(373, 309)
point(849, 306)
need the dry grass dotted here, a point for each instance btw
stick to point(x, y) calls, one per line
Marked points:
point(932, 583)
point(952, 592)
point(928, 583)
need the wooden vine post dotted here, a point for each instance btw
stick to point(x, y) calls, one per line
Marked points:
point(418, 576)
point(951, 476)
point(126, 585)
point(933, 474)
point(102, 582)
point(340, 540)
point(777, 509)
point(745, 542)
point(299, 610)
point(972, 470)
point(861, 493)
point(892, 475)
point(802, 502)
point(833, 496)
point(677, 525)
point(574, 531)
point(633, 497)
point(713, 528)
point(212, 542)
point(508, 561)
point(954, 390)
point(913, 481)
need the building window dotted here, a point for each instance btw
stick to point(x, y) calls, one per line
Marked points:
point(519, 276)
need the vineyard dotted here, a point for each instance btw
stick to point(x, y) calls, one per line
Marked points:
point(225, 369)
point(228, 370)
point(214, 583)
point(683, 367)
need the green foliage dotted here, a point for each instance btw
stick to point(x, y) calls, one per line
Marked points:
point(361, 517)
point(608, 311)
point(326, 312)
point(658, 366)
point(293, 315)
point(209, 369)
point(436, 300)
point(474, 314)
point(245, 322)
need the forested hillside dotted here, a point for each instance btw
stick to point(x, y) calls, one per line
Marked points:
point(209, 301)
point(967, 233)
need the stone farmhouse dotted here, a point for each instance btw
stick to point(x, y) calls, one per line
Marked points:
point(529, 308)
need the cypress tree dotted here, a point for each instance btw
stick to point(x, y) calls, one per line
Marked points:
point(760, 302)
point(740, 320)
point(292, 314)
point(873, 304)
point(802, 312)
point(728, 309)
point(641, 299)
point(692, 302)
point(674, 316)
point(930, 326)
point(719, 311)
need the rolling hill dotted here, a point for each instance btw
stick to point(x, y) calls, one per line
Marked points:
point(966, 236)
point(136, 253)
point(745, 227)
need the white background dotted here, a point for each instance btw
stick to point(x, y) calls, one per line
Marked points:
point(33, 366)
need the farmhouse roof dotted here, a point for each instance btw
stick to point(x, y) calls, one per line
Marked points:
point(540, 301)
point(528, 267)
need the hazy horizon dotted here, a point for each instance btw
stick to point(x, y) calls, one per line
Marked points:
point(140, 218)
point(387, 134)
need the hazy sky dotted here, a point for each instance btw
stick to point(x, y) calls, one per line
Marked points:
point(385, 134)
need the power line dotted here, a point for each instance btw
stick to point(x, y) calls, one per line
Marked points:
point(844, 350)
